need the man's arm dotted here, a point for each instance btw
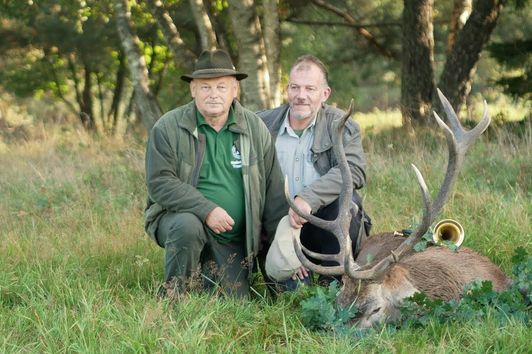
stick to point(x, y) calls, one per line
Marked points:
point(164, 186)
point(327, 188)
point(275, 206)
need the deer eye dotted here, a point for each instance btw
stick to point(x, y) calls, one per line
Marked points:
point(375, 311)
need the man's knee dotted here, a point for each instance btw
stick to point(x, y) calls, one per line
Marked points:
point(183, 228)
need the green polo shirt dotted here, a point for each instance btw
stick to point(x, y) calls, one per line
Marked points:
point(220, 178)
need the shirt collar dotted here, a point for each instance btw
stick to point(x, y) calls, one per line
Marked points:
point(202, 122)
point(286, 128)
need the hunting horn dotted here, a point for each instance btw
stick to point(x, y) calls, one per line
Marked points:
point(448, 230)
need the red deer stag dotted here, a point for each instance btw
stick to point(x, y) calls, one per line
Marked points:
point(387, 270)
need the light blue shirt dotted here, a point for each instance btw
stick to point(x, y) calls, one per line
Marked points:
point(295, 156)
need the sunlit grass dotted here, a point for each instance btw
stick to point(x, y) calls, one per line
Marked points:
point(378, 120)
point(79, 274)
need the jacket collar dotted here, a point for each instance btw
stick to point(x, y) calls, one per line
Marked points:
point(322, 134)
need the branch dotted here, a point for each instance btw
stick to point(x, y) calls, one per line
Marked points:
point(203, 24)
point(171, 34)
point(59, 92)
point(343, 24)
point(360, 30)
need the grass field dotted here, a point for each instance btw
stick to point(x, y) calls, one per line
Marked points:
point(77, 273)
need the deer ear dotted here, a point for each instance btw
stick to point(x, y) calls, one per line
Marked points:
point(397, 286)
point(396, 275)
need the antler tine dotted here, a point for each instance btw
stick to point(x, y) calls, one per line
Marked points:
point(323, 224)
point(328, 225)
point(458, 141)
point(356, 272)
point(346, 194)
point(339, 227)
point(329, 270)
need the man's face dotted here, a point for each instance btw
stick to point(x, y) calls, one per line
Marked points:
point(213, 97)
point(307, 90)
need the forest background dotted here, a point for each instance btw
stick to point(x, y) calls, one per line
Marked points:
point(81, 82)
point(107, 63)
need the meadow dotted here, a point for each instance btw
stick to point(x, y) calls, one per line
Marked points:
point(78, 274)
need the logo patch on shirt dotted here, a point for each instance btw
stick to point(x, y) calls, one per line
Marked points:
point(237, 162)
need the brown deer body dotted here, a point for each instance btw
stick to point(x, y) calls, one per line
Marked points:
point(438, 272)
point(387, 270)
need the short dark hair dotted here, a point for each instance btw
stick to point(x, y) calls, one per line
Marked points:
point(311, 59)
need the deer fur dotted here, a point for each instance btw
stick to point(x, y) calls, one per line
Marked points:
point(437, 271)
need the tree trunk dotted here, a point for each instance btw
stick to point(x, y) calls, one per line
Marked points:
point(255, 90)
point(455, 80)
point(272, 42)
point(459, 16)
point(101, 101)
point(117, 92)
point(182, 55)
point(87, 110)
point(203, 24)
point(417, 84)
point(146, 102)
point(84, 118)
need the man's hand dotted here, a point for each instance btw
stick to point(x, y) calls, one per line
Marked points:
point(301, 273)
point(219, 221)
point(295, 220)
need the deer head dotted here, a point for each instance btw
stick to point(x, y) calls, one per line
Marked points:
point(458, 142)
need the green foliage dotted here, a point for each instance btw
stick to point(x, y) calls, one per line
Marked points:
point(517, 58)
point(427, 240)
point(479, 302)
point(320, 310)
point(422, 244)
point(522, 273)
point(511, 49)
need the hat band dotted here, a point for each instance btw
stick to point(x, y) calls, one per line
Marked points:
point(214, 70)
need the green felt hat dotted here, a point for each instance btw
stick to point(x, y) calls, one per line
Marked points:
point(211, 64)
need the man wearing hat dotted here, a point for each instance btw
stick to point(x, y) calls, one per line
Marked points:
point(214, 183)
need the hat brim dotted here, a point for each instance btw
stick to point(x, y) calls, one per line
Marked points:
point(213, 74)
point(281, 260)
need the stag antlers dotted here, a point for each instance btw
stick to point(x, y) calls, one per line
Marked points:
point(458, 142)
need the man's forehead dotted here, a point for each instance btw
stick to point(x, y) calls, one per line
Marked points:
point(306, 66)
point(305, 69)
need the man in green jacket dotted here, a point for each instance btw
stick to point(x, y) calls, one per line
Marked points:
point(214, 183)
point(303, 133)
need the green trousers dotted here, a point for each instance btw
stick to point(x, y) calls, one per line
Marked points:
point(194, 258)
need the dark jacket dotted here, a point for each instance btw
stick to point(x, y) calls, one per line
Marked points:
point(174, 155)
point(326, 189)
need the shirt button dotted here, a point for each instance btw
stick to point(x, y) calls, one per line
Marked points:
point(297, 158)
point(297, 178)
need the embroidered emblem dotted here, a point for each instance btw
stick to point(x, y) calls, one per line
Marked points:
point(237, 162)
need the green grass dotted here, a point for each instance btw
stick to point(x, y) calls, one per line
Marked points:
point(77, 273)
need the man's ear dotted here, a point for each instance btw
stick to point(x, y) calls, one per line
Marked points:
point(237, 91)
point(326, 93)
point(192, 88)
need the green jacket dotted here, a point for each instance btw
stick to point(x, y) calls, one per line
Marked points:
point(174, 155)
point(325, 190)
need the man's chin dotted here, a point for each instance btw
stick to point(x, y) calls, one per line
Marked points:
point(214, 113)
point(300, 115)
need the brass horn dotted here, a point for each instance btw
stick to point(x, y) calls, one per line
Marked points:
point(448, 230)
